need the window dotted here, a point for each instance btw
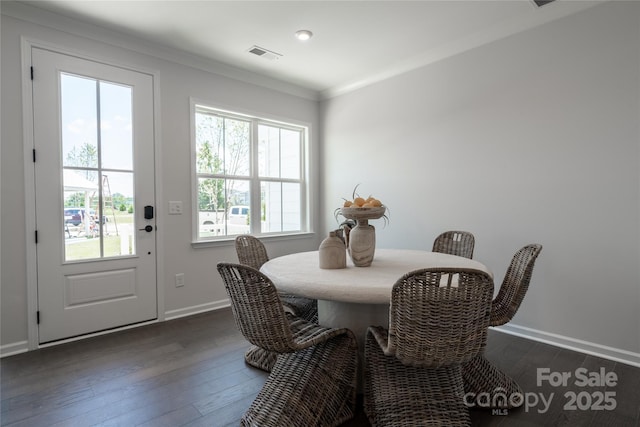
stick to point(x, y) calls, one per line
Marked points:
point(249, 175)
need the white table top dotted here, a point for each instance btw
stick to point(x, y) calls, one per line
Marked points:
point(300, 274)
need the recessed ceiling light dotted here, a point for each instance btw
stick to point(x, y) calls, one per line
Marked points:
point(303, 35)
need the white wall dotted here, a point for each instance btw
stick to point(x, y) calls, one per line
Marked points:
point(177, 83)
point(533, 138)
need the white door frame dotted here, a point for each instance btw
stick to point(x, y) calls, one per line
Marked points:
point(30, 193)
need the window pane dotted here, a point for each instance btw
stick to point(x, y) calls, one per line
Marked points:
point(211, 207)
point(279, 152)
point(116, 129)
point(290, 206)
point(211, 195)
point(271, 193)
point(290, 159)
point(79, 121)
point(269, 151)
point(237, 160)
point(209, 143)
point(223, 207)
point(238, 204)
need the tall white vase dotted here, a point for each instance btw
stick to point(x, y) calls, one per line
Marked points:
point(362, 237)
point(362, 243)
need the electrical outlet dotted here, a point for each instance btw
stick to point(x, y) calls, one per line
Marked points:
point(175, 208)
point(179, 280)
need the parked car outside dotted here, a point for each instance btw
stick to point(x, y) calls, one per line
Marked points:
point(239, 215)
point(73, 216)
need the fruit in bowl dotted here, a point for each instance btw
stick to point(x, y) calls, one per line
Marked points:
point(359, 208)
point(359, 202)
point(359, 235)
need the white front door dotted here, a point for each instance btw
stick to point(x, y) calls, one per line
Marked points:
point(94, 176)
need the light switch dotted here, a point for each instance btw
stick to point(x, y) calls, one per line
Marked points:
point(175, 208)
point(179, 280)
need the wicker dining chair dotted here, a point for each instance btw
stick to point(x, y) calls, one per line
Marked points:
point(313, 382)
point(252, 252)
point(438, 319)
point(459, 243)
point(480, 375)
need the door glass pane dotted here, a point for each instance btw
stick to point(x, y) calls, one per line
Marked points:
point(97, 168)
point(118, 220)
point(79, 121)
point(80, 229)
point(116, 129)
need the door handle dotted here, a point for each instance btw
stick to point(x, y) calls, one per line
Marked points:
point(148, 229)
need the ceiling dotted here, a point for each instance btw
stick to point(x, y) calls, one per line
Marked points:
point(354, 42)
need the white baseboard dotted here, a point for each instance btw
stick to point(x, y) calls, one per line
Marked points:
point(23, 346)
point(611, 353)
point(196, 309)
point(606, 352)
point(14, 348)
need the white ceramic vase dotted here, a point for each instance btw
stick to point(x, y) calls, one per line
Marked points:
point(362, 243)
point(332, 252)
point(362, 237)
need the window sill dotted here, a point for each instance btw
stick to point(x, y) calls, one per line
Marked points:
point(227, 241)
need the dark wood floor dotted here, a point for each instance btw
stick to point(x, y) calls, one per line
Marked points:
point(191, 372)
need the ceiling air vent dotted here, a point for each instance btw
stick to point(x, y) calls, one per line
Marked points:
point(264, 53)
point(541, 3)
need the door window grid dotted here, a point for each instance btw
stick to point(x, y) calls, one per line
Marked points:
point(97, 144)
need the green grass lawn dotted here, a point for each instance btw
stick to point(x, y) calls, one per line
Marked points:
point(89, 247)
point(120, 216)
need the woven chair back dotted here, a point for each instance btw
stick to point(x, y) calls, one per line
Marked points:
point(460, 243)
point(515, 284)
point(439, 316)
point(251, 251)
point(256, 307)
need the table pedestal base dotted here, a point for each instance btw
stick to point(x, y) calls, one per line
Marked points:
point(357, 317)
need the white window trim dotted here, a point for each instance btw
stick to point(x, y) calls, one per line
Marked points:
point(306, 220)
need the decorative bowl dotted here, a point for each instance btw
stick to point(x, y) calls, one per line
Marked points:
point(357, 213)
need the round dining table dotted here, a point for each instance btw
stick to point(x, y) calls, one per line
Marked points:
point(355, 297)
